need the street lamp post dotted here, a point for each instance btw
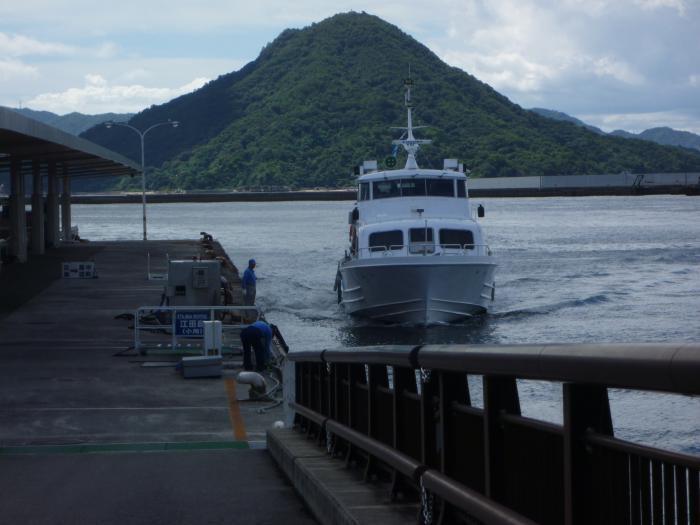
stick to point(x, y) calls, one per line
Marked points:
point(142, 135)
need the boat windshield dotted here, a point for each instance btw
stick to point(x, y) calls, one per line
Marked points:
point(391, 240)
point(415, 187)
point(421, 240)
point(457, 238)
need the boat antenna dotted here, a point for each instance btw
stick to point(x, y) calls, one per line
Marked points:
point(410, 143)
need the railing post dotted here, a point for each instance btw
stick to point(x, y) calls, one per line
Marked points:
point(429, 419)
point(453, 389)
point(375, 378)
point(586, 408)
point(500, 396)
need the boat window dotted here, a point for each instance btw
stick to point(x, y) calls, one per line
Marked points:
point(383, 189)
point(454, 238)
point(461, 189)
point(391, 240)
point(421, 240)
point(412, 187)
point(364, 191)
point(441, 187)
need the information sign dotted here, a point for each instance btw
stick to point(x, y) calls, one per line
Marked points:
point(190, 322)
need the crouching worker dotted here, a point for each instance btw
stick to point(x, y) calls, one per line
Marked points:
point(258, 336)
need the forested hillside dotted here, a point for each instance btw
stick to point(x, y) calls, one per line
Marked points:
point(321, 99)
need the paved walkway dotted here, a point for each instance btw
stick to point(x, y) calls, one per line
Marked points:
point(89, 436)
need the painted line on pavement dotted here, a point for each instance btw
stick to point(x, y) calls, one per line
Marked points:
point(234, 410)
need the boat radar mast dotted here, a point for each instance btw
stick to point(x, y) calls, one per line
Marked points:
point(410, 143)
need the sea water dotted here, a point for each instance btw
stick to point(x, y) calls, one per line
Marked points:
point(571, 270)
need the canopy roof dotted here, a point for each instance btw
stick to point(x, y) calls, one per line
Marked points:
point(27, 139)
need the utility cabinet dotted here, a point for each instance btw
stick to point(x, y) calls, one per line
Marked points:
point(194, 283)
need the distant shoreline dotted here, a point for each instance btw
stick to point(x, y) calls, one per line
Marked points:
point(350, 195)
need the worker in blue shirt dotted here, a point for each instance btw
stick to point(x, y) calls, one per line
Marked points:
point(267, 336)
point(256, 337)
point(249, 283)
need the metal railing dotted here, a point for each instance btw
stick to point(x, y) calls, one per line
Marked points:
point(178, 328)
point(407, 411)
point(422, 248)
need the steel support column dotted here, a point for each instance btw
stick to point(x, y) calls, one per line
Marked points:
point(65, 206)
point(38, 239)
point(52, 216)
point(18, 216)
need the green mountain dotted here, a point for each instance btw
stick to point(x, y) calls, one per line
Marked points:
point(558, 115)
point(664, 135)
point(74, 123)
point(319, 100)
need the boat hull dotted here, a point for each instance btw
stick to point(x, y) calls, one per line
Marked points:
point(417, 290)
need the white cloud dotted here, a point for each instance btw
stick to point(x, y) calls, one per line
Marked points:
point(23, 46)
point(11, 69)
point(98, 96)
point(107, 50)
point(609, 66)
point(678, 5)
point(20, 45)
point(503, 70)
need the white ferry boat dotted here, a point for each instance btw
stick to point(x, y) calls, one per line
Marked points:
point(417, 253)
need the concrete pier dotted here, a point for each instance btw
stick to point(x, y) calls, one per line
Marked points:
point(90, 435)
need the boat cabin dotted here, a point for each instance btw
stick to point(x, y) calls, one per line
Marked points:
point(408, 237)
point(387, 195)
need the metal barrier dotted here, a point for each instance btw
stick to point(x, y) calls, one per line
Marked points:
point(164, 327)
point(407, 410)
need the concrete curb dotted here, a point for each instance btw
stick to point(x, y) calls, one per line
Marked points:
point(333, 493)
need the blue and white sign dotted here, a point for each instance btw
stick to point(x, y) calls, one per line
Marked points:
point(190, 322)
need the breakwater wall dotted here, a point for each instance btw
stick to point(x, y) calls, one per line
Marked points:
point(538, 186)
point(234, 196)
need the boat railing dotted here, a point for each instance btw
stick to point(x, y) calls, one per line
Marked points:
point(422, 248)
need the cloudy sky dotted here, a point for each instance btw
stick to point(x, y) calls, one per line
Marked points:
point(630, 64)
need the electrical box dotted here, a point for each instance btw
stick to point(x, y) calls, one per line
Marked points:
point(194, 283)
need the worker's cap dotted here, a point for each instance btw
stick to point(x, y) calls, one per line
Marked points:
point(251, 262)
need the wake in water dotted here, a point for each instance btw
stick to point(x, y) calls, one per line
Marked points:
point(548, 309)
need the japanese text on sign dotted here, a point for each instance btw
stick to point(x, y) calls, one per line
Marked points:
point(190, 323)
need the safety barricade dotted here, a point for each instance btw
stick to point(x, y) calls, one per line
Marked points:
point(180, 329)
